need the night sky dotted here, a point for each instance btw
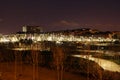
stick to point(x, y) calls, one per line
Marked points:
point(59, 14)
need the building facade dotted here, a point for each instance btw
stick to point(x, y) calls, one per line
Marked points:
point(32, 29)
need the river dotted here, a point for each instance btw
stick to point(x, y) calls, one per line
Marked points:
point(105, 64)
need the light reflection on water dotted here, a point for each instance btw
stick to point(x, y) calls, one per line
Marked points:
point(105, 64)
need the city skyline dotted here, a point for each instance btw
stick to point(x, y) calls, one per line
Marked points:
point(59, 15)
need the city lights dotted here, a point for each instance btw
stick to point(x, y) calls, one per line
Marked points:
point(54, 37)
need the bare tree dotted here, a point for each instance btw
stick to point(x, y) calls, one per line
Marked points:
point(58, 55)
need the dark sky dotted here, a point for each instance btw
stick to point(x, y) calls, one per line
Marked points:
point(59, 14)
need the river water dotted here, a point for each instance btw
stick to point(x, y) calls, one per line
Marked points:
point(105, 64)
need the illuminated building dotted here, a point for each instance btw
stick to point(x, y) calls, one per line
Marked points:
point(32, 29)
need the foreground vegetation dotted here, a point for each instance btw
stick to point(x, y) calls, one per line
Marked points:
point(50, 61)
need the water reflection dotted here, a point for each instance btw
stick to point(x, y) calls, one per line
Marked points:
point(105, 64)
